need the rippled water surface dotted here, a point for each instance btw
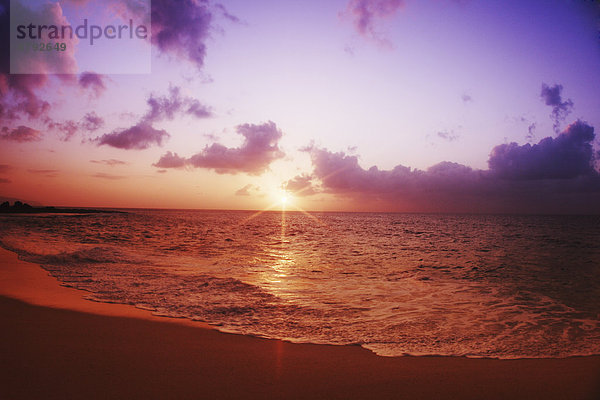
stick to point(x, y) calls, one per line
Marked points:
point(481, 286)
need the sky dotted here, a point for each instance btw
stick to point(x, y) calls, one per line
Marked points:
point(349, 105)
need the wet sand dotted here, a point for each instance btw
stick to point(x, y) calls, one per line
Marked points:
point(56, 345)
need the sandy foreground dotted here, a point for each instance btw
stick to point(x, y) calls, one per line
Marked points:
point(56, 345)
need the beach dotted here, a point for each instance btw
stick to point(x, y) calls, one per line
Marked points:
point(55, 344)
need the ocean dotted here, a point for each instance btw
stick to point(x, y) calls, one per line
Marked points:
point(499, 286)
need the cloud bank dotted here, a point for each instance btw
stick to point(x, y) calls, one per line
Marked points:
point(253, 157)
point(557, 175)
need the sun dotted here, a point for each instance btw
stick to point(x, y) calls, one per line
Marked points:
point(283, 198)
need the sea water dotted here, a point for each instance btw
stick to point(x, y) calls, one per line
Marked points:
point(463, 285)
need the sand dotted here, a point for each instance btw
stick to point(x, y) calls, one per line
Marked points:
point(56, 345)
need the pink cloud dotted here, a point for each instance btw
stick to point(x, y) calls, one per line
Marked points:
point(48, 173)
point(91, 122)
point(246, 190)
point(111, 163)
point(167, 107)
point(93, 82)
point(259, 149)
point(137, 137)
point(111, 177)
point(21, 134)
point(18, 96)
point(170, 160)
point(301, 185)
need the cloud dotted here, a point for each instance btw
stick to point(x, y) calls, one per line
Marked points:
point(223, 11)
point(91, 122)
point(179, 29)
point(5, 168)
point(366, 14)
point(182, 29)
point(567, 156)
point(4, 180)
point(167, 107)
point(466, 98)
point(142, 135)
point(301, 185)
point(560, 109)
point(111, 177)
point(448, 135)
point(48, 173)
point(137, 137)
point(18, 96)
point(170, 160)
point(553, 176)
point(54, 62)
point(259, 149)
point(66, 129)
point(92, 81)
point(111, 163)
point(245, 191)
point(19, 93)
point(21, 134)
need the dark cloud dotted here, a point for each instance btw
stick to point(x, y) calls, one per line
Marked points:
point(181, 29)
point(4, 180)
point(20, 134)
point(567, 156)
point(137, 137)
point(93, 82)
point(553, 176)
point(466, 98)
point(110, 163)
point(552, 96)
point(5, 168)
point(365, 15)
point(259, 149)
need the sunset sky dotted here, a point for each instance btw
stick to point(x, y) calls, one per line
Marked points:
point(382, 105)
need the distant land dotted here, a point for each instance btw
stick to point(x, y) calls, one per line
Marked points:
point(19, 207)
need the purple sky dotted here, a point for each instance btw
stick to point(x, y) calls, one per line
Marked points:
point(458, 106)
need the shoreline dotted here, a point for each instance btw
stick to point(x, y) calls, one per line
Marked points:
point(56, 344)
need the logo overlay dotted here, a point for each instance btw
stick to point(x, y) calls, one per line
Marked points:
point(70, 37)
